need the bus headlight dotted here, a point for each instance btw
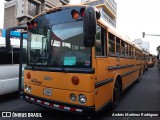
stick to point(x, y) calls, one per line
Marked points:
point(28, 88)
point(82, 98)
point(73, 97)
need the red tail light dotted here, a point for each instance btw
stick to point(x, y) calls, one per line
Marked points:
point(28, 75)
point(35, 24)
point(82, 10)
point(75, 80)
point(75, 14)
point(32, 24)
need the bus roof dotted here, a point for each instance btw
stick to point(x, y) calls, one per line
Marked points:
point(101, 21)
point(53, 8)
point(115, 32)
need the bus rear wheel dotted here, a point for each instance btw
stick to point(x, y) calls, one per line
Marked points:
point(117, 93)
point(139, 78)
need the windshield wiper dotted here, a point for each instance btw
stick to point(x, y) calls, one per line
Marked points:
point(40, 56)
point(61, 66)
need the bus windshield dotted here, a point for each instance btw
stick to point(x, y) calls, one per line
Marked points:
point(67, 45)
point(58, 45)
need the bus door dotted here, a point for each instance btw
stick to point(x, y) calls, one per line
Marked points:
point(101, 68)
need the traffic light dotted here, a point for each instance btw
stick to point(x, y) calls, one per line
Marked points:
point(143, 34)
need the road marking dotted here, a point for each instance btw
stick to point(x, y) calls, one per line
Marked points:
point(18, 106)
point(9, 79)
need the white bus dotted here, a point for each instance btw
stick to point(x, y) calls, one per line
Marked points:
point(9, 66)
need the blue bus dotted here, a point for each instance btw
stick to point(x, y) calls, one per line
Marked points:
point(13, 34)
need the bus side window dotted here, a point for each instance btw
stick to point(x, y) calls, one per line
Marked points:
point(111, 44)
point(126, 49)
point(100, 46)
point(132, 52)
point(136, 54)
point(122, 48)
point(118, 50)
point(129, 47)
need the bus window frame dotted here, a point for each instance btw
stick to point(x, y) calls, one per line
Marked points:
point(118, 52)
point(111, 53)
point(126, 50)
point(104, 48)
point(123, 46)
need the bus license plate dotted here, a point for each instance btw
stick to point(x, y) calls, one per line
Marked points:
point(47, 91)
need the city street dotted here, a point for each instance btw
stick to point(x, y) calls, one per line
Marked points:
point(74, 58)
point(142, 96)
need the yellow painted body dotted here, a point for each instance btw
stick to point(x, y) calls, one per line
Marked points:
point(105, 93)
point(150, 61)
point(61, 85)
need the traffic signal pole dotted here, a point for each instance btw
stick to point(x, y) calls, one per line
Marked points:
point(144, 34)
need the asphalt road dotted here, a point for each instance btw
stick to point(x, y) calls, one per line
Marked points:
point(142, 97)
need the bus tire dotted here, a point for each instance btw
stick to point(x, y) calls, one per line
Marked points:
point(90, 115)
point(144, 70)
point(117, 93)
point(139, 77)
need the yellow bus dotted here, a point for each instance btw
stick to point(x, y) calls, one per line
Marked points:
point(145, 57)
point(151, 60)
point(76, 62)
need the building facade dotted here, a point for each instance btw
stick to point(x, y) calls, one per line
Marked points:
point(142, 44)
point(146, 46)
point(108, 9)
point(0, 32)
point(18, 12)
point(138, 42)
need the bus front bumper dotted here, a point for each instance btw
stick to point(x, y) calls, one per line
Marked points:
point(58, 105)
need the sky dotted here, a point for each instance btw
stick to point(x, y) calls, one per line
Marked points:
point(137, 16)
point(133, 18)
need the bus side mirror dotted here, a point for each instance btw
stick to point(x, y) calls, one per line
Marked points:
point(89, 26)
point(157, 56)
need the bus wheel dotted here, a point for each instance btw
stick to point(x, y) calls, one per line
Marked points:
point(116, 94)
point(139, 78)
